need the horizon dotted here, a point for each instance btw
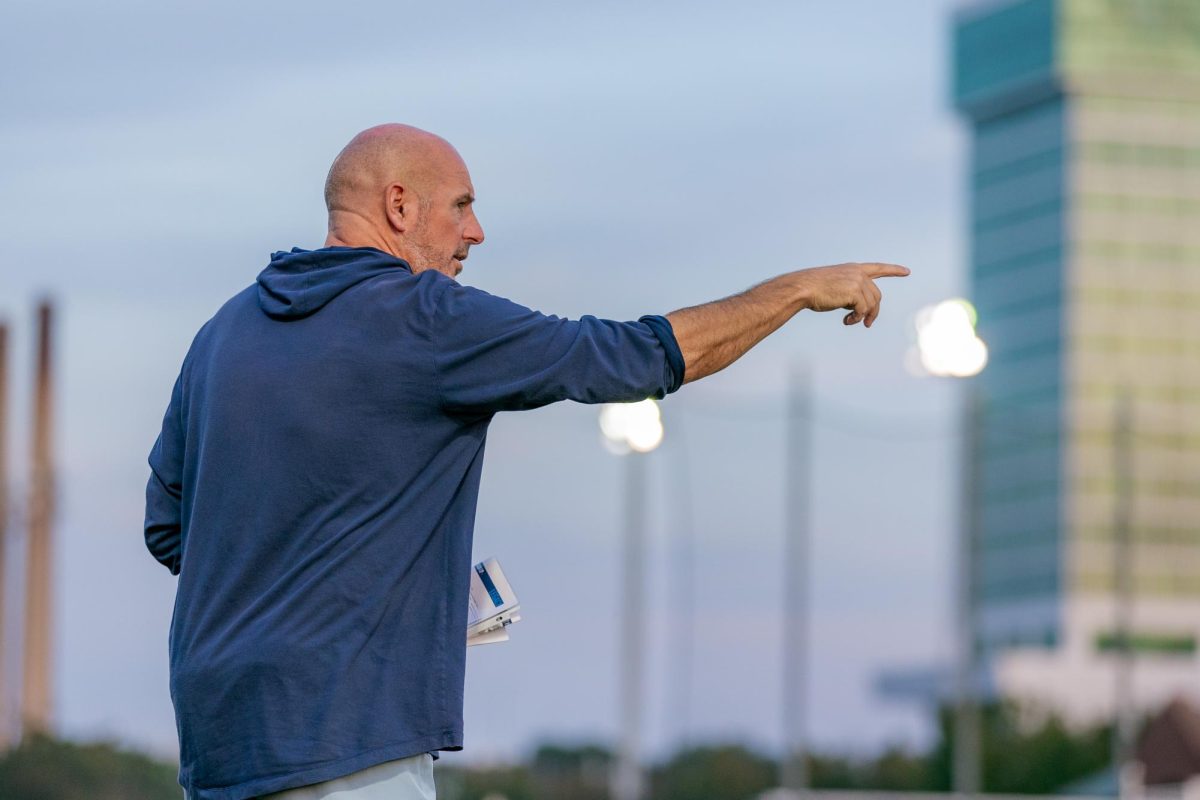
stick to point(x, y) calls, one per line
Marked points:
point(624, 164)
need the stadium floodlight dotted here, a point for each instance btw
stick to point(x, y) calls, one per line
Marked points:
point(633, 427)
point(947, 344)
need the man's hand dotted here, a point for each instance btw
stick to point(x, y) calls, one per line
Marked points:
point(714, 335)
point(849, 286)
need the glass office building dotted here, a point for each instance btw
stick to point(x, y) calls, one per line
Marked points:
point(1084, 192)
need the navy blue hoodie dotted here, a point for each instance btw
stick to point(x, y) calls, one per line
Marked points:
point(314, 488)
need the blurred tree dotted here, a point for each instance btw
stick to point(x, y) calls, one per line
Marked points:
point(492, 783)
point(1025, 750)
point(832, 772)
point(895, 770)
point(42, 768)
point(898, 770)
point(580, 773)
point(729, 772)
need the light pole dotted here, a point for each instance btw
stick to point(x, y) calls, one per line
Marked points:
point(947, 346)
point(1124, 714)
point(797, 547)
point(632, 430)
point(4, 731)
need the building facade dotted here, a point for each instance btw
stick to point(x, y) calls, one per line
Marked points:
point(1084, 187)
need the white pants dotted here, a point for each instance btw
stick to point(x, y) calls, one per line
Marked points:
point(403, 779)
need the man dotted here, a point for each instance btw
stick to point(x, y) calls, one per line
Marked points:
point(315, 482)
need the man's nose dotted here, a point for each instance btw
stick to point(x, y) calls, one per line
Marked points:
point(474, 231)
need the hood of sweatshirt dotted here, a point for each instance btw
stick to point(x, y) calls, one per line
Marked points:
point(299, 282)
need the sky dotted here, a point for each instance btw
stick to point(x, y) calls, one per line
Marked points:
point(628, 158)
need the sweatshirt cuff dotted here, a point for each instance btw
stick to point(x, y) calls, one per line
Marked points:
point(662, 329)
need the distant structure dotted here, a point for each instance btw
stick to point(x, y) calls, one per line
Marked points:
point(1084, 184)
point(35, 708)
point(36, 675)
point(5, 737)
point(1169, 749)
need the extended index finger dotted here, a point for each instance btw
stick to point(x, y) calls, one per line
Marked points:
point(880, 270)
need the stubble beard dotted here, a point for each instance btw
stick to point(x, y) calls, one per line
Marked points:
point(428, 256)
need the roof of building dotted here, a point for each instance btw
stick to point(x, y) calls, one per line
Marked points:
point(1169, 746)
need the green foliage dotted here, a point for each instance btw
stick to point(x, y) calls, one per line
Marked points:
point(898, 770)
point(895, 770)
point(511, 783)
point(580, 773)
point(729, 772)
point(42, 768)
point(1024, 751)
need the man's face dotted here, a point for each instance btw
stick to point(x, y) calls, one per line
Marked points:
point(446, 226)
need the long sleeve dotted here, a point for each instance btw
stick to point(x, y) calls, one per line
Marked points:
point(164, 490)
point(496, 355)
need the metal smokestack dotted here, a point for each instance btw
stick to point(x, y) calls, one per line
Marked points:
point(36, 701)
point(5, 736)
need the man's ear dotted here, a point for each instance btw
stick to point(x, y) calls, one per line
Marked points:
point(399, 207)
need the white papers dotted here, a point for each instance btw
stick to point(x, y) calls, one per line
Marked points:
point(492, 606)
point(498, 635)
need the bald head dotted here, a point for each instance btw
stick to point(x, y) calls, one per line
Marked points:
point(379, 157)
point(404, 191)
